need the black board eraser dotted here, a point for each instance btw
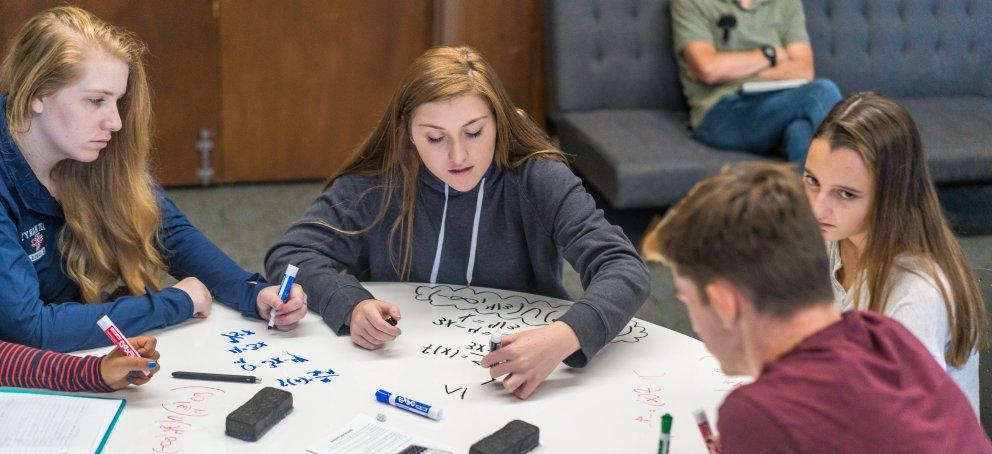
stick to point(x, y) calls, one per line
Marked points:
point(515, 437)
point(253, 418)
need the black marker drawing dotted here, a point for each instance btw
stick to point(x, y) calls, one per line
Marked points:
point(510, 312)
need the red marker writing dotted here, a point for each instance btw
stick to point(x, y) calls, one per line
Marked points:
point(117, 337)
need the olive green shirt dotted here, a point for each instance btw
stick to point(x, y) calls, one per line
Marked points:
point(766, 22)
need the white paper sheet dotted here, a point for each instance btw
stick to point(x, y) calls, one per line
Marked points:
point(54, 423)
point(364, 435)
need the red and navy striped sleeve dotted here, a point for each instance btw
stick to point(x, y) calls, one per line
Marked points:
point(27, 367)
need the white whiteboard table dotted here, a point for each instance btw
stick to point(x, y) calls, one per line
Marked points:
point(614, 404)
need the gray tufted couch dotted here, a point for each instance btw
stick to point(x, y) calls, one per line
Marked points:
point(616, 102)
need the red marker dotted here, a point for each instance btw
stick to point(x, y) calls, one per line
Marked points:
point(704, 430)
point(117, 337)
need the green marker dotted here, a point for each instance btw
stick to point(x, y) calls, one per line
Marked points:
point(665, 440)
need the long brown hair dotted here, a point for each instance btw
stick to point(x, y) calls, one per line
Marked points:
point(439, 74)
point(905, 216)
point(111, 214)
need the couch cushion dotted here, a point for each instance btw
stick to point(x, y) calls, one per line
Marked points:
point(957, 136)
point(610, 54)
point(639, 158)
point(644, 158)
point(902, 48)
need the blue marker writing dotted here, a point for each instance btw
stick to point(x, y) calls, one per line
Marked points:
point(408, 404)
point(284, 288)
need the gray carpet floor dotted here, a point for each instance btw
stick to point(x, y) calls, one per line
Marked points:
point(245, 220)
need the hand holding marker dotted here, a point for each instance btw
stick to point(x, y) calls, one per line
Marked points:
point(284, 288)
point(117, 337)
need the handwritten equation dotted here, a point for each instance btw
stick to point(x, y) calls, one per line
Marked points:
point(647, 396)
point(727, 383)
point(487, 310)
point(461, 391)
point(473, 352)
point(186, 406)
point(253, 355)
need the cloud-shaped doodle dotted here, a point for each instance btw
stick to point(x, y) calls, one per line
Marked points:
point(631, 333)
point(488, 302)
point(511, 308)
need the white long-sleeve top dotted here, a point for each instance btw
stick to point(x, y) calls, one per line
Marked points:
point(916, 302)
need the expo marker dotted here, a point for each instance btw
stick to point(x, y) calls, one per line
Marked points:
point(117, 337)
point(704, 430)
point(408, 404)
point(665, 439)
point(495, 340)
point(284, 288)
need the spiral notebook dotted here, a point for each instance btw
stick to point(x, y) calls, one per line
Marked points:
point(55, 422)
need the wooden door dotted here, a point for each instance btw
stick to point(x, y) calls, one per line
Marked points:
point(304, 82)
point(182, 64)
point(508, 34)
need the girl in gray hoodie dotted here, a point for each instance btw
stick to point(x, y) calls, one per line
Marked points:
point(457, 186)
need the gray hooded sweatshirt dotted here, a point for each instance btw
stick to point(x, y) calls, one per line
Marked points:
point(512, 236)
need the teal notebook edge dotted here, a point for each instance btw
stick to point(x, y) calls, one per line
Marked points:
point(110, 428)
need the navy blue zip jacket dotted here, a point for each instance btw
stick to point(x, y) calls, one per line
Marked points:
point(39, 302)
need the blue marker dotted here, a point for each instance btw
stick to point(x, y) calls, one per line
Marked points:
point(408, 404)
point(284, 288)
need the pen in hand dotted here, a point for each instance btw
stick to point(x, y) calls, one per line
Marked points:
point(287, 284)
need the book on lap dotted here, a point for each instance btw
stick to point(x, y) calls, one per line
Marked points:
point(771, 85)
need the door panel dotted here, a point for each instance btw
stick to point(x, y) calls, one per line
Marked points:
point(305, 81)
point(182, 64)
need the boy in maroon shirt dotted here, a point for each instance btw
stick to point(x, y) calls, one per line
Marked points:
point(749, 264)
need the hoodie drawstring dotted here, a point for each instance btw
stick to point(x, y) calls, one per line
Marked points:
point(475, 236)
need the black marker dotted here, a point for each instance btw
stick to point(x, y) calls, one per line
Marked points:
point(216, 377)
point(495, 340)
point(391, 320)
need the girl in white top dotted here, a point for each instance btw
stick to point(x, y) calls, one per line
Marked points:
point(891, 249)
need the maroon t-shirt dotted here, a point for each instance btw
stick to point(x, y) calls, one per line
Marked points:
point(863, 384)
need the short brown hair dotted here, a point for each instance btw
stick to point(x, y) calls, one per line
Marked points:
point(752, 226)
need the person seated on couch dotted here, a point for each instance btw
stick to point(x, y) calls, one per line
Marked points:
point(723, 44)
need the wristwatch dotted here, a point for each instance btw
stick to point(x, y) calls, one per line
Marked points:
point(770, 54)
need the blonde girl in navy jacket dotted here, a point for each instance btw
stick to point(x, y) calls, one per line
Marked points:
point(84, 231)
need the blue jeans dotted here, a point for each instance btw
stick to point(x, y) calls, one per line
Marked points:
point(780, 121)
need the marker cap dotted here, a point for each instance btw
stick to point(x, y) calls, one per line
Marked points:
point(666, 423)
point(382, 396)
point(496, 337)
point(104, 323)
point(291, 270)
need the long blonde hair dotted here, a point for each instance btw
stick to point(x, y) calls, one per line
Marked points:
point(439, 74)
point(111, 214)
point(905, 216)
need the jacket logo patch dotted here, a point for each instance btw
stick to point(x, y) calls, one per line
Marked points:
point(37, 241)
